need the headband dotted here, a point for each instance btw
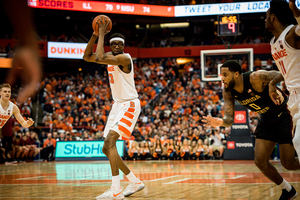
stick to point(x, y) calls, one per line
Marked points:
point(117, 39)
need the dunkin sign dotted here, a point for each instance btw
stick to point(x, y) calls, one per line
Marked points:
point(66, 50)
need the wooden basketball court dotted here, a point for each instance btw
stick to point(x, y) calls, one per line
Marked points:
point(164, 180)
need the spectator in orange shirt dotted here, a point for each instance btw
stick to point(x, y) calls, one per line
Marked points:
point(67, 126)
point(196, 117)
point(215, 97)
point(48, 87)
point(68, 137)
point(59, 124)
point(143, 102)
point(257, 64)
point(245, 66)
point(49, 146)
point(53, 82)
point(69, 118)
point(152, 93)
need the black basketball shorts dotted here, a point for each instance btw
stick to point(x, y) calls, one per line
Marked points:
point(277, 127)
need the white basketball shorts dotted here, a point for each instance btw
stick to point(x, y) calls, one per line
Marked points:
point(123, 117)
point(294, 104)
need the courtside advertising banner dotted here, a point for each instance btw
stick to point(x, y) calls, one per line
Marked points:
point(154, 10)
point(240, 142)
point(66, 50)
point(222, 8)
point(84, 150)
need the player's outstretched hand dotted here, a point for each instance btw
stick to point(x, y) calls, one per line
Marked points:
point(26, 66)
point(29, 122)
point(103, 24)
point(274, 95)
point(212, 121)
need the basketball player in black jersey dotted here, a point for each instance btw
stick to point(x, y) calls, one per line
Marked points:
point(251, 90)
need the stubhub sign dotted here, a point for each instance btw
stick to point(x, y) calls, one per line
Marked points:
point(83, 150)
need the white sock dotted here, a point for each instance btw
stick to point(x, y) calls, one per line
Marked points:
point(131, 177)
point(285, 185)
point(116, 182)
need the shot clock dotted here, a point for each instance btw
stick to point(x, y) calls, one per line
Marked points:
point(228, 25)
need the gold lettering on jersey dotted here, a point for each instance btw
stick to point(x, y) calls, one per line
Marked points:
point(111, 69)
point(279, 54)
point(250, 100)
point(263, 110)
point(4, 117)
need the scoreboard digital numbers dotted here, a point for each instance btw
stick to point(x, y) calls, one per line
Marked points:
point(228, 25)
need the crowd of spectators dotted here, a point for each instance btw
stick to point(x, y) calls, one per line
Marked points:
point(76, 102)
point(76, 108)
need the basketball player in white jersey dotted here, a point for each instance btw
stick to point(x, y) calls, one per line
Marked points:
point(125, 110)
point(285, 49)
point(7, 108)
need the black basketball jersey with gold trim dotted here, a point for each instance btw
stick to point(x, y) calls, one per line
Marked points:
point(259, 102)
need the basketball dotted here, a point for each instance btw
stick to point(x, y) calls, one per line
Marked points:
point(98, 19)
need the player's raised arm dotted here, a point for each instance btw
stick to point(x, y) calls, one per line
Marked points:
point(296, 13)
point(227, 120)
point(20, 119)
point(116, 44)
point(88, 55)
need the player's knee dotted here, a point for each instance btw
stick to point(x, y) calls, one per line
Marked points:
point(261, 163)
point(105, 149)
point(108, 144)
point(287, 165)
point(296, 139)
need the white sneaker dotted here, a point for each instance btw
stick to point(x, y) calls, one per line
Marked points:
point(133, 188)
point(112, 193)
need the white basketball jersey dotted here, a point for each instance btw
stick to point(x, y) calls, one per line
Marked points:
point(5, 114)
point(122, 84)
point(287, 59)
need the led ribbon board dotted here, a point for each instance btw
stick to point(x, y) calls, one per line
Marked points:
point(70, 150)
point(154, 10)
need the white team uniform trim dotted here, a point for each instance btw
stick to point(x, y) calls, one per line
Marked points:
point(122, 84)
point(117, 113)
point(6, 114)
point(123, 92)
point(287, 60)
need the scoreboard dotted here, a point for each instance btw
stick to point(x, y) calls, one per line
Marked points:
point(228, 25)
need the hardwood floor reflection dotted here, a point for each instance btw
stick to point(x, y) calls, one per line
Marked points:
point(164, 180)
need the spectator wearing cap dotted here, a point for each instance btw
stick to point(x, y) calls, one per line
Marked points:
point(49, 146)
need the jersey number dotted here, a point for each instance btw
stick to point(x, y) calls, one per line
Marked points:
point(132, 104)
point(256, 107)
point(111, 78)
point(282, 67)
